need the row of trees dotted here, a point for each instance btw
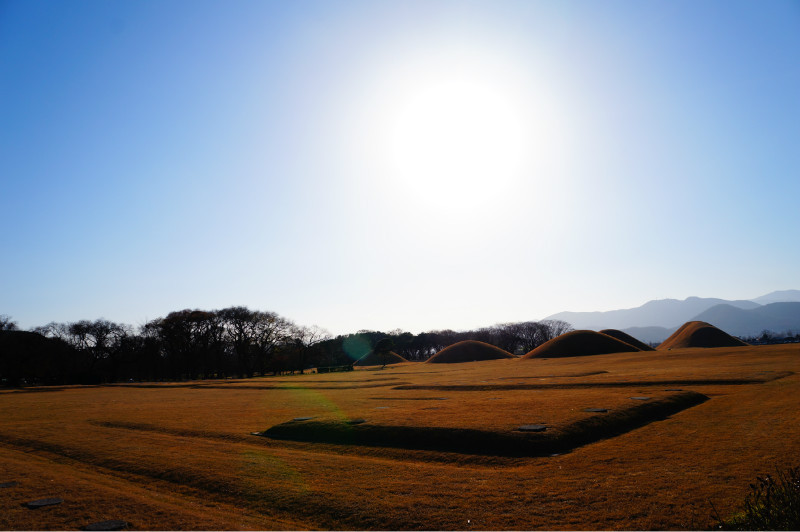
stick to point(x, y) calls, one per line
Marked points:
point(517, 338)
point(232, 342)
point(772, 337)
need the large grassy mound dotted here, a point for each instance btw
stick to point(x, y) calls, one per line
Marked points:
point(580, 343)
point(627, 338)
point(469, 351)
point(699, 334)
point(377, 359)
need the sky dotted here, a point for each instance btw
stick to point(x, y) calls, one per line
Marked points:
point(411, 164)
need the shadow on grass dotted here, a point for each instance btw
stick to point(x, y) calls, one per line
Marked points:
point(610, 384)
point(484, 442)
point(569, 375)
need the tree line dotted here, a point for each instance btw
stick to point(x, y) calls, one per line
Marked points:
point(234, 342)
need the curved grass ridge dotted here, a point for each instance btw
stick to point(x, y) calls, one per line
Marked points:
point(484, 442)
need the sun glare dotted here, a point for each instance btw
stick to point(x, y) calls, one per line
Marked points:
point(457, 140)
point(453, 131)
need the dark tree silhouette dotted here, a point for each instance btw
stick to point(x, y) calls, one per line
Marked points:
point(383, 347)
point(235, 341)
point(6, 324)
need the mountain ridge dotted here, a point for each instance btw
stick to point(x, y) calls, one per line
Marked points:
point(655, 313)
point(655, 320)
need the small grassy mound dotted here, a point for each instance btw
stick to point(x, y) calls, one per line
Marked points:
point(379, 359)
point(469, 351)
point(627, 338)
point(699, 334)
point(580, 343)
point(485, 442)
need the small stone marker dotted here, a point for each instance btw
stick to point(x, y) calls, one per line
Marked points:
point(9, 484)
point(355, 421)
point(255, 434)
point(595, 409)
point(640, 398)
point(532, 428)
point(43, 502)
point(303, 418)
point(107, 525)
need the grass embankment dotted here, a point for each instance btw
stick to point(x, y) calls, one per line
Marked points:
point(180, 455)
point(603, 424)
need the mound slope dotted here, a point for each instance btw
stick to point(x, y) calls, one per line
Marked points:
point(580, 343)
point(699, 334)
point(376, 359)
point(468, 351)
point(627, 338)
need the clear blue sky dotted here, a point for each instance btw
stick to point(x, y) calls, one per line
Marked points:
point(381, 165)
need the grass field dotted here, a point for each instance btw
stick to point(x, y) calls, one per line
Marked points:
point(432, 452)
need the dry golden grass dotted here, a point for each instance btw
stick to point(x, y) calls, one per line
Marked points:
point(181, 455)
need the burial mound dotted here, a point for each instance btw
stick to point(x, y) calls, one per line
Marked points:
point(469, 351)
point(627, 338)
point(580, 343)
point(699, 334)
point(379, 359)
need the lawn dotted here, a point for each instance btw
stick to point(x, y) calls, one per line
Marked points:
point(199, 455)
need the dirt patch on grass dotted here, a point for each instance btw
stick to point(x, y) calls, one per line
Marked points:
point(580, 343)
point(468, 351)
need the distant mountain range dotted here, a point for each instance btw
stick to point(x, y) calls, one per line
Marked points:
point(656, 320)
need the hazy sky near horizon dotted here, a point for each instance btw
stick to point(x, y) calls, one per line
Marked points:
point(379, 165)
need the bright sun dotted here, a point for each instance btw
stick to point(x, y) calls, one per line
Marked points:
point(452, 131)
point(457, 140)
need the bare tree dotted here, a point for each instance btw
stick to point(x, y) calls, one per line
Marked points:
point(529, 335)
point(306, 338)
point(269, 331)
point(6, 324)
point(239, 325)
point(553, 328)
point(54, 330)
